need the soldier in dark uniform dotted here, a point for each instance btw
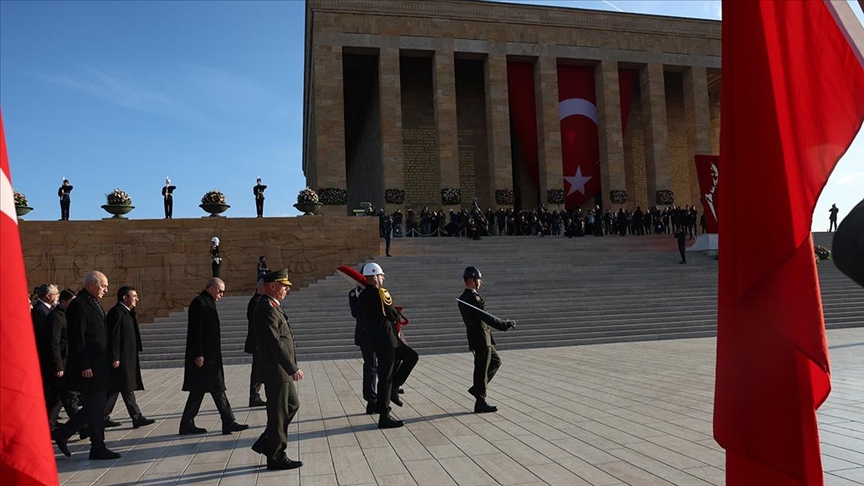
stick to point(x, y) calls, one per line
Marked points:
point(378, 316)
point(480, 340)
point(832, 218)
point(203, 371)
point(258, 191)
point(168, 198)
point(88, 367)
point(250, 347)
point(681, 236)
point(277, 369)
point(124, 344)
point(65, 201)
point(370, 364)
point(216, 265)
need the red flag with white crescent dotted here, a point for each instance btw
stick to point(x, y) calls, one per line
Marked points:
point(26, 453)
point(580, 145)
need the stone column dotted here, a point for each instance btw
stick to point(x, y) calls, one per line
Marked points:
point(329, 168)
point(498, 125)
point(658, 167)
point(697, 119)
point(612, 169)
point(390, 89)
point(446, 136)
point(548, 127)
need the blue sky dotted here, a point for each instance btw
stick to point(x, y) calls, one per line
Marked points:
point(125, 93)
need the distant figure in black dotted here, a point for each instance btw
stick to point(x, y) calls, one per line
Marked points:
point(63, 194)
point(832, 218)
point(168, 198)
point(263, 268)
point(258, 191)
point(216, 266)
point(682, 244)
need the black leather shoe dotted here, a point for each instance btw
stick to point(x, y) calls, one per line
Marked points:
point(395, 400)
point(257, 403)
point(233, 427)
point(103, 454)
point(191, 429)
point(385, 422)
point(112, 423)
point(61, 444)
point(401, 390)
point(142, 421)
point(283, 464)
point(482, 407)
point(371, 408)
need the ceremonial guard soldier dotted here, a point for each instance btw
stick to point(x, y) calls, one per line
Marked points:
point(258, 191)
point(65, 200)
point(168, 198)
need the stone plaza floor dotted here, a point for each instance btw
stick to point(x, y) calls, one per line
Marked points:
point(612, 414)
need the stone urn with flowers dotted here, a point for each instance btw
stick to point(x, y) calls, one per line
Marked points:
point(214, 202)
point(117, 204)
point(307, 202)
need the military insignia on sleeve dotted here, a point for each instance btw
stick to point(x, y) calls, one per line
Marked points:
point(386, 300)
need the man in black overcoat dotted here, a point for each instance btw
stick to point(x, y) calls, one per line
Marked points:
point(277, 369)
point(250, 345)
point(47, 295)
point(124, 344)
point(375, 310)
point(480, 340)
point(57, 393)
point(203, 364)
point(88, 369)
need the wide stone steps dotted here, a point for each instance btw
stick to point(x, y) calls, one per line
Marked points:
point(561, 292)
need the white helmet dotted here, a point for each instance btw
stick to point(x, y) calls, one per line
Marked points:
point(371, 269)
point(215, 240)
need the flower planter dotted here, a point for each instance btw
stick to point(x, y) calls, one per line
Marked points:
point(118, 210)
point(309, 208)
point(22, 210)
point(214, 209)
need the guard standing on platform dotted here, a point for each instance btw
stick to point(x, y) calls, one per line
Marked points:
point(277, 369)
point(168, 198)
point(258, 191)
point(65, 200)
point(480, 340)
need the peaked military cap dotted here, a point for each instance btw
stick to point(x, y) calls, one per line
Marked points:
point(280, 276)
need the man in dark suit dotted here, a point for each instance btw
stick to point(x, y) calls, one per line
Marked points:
point(203, 365)
point(258, 191)
point(376, 311)
point(124, 344)
point(65, 200)
point(168, 198)
point(88, 367)
point(480, 340)
point(277, 369)
point(57, 393)
point(46, 299)
point(250, 347)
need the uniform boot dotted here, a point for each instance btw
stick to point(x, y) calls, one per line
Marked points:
point(480, 406)
point(385, 422)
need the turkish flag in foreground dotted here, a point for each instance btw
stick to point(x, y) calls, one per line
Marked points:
point(26, 453)
point(792, 101)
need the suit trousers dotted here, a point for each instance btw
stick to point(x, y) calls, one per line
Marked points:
point(486, 364)
point(92, 415)
point(370, 372)
point(128, 399)
point(388, 380)
point(193, 405)
point(254, 384)
point(259, 207)
point(282, 406)
point(57, 396)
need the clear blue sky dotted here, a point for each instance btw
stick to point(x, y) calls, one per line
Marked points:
point(125, 93)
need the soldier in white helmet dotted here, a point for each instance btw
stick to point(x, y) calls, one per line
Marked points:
point(378, 315)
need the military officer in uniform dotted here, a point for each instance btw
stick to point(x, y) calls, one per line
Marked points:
point(378, 316)
point(258, 191)
point(480, 340)
point(65, 200)
point(168, 198)
point(277, 369)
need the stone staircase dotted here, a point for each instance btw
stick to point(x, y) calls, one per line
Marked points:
point(560, 291)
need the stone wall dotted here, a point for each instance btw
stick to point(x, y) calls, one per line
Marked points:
point(168, 261)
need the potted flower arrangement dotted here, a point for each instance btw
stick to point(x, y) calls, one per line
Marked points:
point(214, 202)
point(332, 196)
point(555, 196)
point(394, 196)
point(451, 196)
point(22, 207)
point(821, 253)
point(118, 203)
point(308, 202)
point(618, 196)
point(665, 197)
point(504, 196)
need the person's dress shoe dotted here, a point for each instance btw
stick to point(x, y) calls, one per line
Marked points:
point(142, 421)
point(385, 422)
point(61, 444)
point(395, 400)
point(682, 262)
point(401, 390)
point(112, 423)
point(103, 453)
point(282, 464)
point(371, 408)
point(482, 407)
point(192, 429)
point(233, 427)
point(257, 402)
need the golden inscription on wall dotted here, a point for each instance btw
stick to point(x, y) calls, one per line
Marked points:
point(420, 159)
point(467, 160)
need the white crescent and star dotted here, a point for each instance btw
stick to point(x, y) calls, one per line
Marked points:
point(7, 202)
point(577, 107)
